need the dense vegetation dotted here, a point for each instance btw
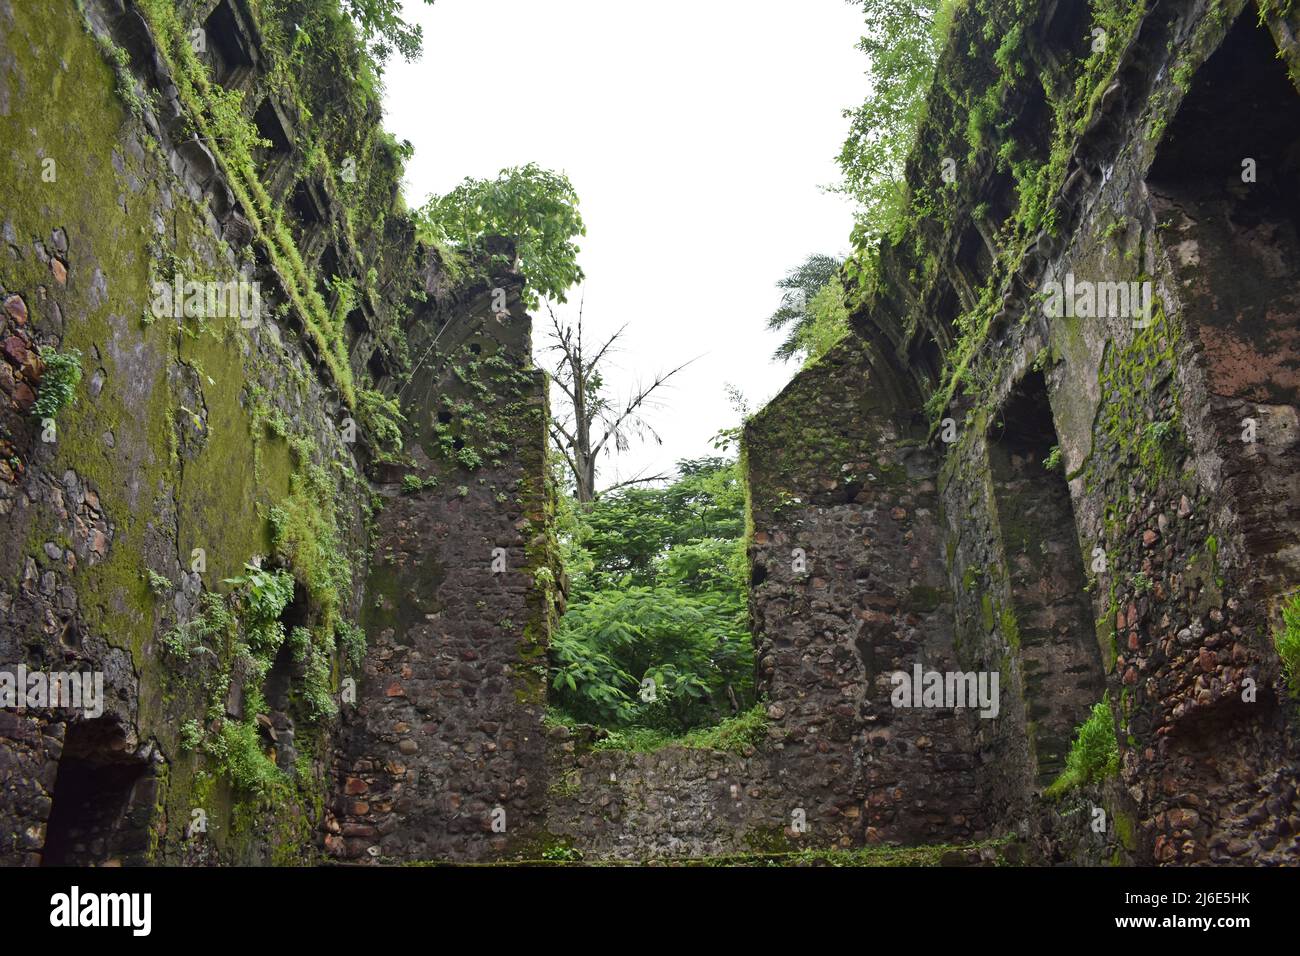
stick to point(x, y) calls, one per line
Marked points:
point(534, 206)
point(656, 634)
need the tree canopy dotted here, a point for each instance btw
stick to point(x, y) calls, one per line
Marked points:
point(536, 207)
point(812, 309)
point(656, 634)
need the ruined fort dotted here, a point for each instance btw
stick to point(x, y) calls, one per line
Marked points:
point(1100, 271)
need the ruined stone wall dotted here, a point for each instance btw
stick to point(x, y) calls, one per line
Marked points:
point(672, 803)
point(1082, 504)
point(1107, 523)
point(444, 755)
point(843, 499)
point(193, 445)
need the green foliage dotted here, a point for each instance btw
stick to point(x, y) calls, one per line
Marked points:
point(238, 752)
point(304, 532)
point(535, 207)
point(812, 309)
point(381, 416)
point(311, 649)
point(563, 854)
point(736, 735)
point(902, 42)
point(630, 532)
point(191, 734)
point(383, 29)
point(412, 484)
point(261, 598)
point(1287, 641)
point(1094, 754)
point(658, 597)
point(58, 383)
point(211, 628)
point(158, 584)
point(351, 640)
point(232, 132)
point(1053, 460)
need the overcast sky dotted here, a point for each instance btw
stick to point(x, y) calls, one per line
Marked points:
point(697, 134)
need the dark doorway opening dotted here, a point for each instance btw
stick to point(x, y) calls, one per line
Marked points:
point(103, 800)
point(1224, 190)
point(1059, 658)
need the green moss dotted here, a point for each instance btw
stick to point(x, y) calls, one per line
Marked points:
point(1130, 378)
point(1010, 629)
point(1125, 830)
point(769, 840)
point(923, 599)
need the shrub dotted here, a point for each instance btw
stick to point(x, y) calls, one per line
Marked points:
point(351, 639)
point(58, 383)
point(381, 416)
point(1287, 641)
point(1094, 755)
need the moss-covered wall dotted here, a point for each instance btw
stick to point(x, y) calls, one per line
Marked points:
point(193, 446)
point(443, 756)
point(1119, 162)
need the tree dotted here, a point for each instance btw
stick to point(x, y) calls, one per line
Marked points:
point(812, 309)
point(658, 595)
point(902, 43)
point(535, 207)
point(383, 29)
point(592, 421)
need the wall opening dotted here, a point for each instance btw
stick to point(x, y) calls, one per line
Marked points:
point(103, 799)
point(1223, 188)
point(1053, 625)
point(229, 50)
point(272, 159)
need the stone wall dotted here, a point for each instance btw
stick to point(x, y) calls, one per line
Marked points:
point(188, 438)
point(444, 755)
point(844, 506)
point(1087, 506)
point(1163, 531)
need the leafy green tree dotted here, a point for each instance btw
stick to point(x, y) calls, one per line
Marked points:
point(629, 532)
point(812, 309)
point(535, 207)
point(383, 30)
point(658, 598)
point(902, 41)
point(651, 657)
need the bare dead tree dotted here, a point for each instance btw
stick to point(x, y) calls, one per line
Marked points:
point(592, 421)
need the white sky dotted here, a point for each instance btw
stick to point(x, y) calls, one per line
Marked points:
point(697, 135)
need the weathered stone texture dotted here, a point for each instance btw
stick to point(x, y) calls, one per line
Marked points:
point(444, 756)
